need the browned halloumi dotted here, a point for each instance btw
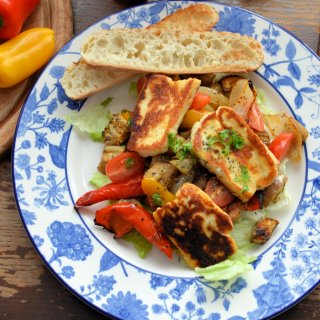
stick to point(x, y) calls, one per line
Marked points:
point(247, 166)
point(197, 227)
point(160, 109)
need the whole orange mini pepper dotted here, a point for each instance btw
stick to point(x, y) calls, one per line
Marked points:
point(24, 54)
point(13, 14)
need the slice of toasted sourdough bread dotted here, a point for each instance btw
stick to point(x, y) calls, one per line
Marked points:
point(244, 167)
point(197, 226)
point(173, 53)
point(80, 80)
point(196, 17)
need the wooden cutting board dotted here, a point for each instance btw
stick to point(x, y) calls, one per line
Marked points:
point(54, 14)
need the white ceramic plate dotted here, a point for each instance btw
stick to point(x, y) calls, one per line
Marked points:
point(53, 163)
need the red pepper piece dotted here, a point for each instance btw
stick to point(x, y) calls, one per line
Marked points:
point(112, 191)
point(113, 222)
point(13, 14)
point(281, 144)
point(253, 204)
point(143, 222)
point(219, 194)
point(255, 118)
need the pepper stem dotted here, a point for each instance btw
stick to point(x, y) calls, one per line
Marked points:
point(1, 22)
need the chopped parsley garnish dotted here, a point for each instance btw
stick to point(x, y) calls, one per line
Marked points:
point(105, 102)
point(228, 138)
point(133, 90)
point(244, 178)
point(178, 145)
point(129, 162)
point(97, 136)
point(157, 200)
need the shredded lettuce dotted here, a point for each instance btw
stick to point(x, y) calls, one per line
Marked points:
point(283, 201)
point(239, 262)
point(99, 180)
point(261, 101)
point(235, 265)
point(91, 120)
point(242, 229)
point(96, 136)
point(282, 167)
point(133, 90)
point(141, 245)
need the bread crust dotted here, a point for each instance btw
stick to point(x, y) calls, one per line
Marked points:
point(173, 53)
point(194, 18)
point(81, 80)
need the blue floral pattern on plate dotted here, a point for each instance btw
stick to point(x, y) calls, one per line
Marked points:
point(282, 275)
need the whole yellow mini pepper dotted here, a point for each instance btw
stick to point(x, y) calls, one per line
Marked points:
point(24, 54)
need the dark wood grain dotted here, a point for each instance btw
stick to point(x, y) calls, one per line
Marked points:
point(47, 14)
point(27, 289)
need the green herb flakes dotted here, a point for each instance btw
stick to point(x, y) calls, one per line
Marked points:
point(244, 178)
point(229, 139)
point(133, 90)
point(157, 200)
point(106, 102)
point(129, 163)
point(178, 145)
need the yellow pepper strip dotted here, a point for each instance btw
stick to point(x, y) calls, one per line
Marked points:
point(191, 117)
point(24, 54)
point(151, 186)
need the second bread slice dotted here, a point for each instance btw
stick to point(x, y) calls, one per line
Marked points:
point(163, 52)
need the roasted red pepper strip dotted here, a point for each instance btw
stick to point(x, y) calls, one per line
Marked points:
point(13, 14)
point(112, 191)
point(143, 222)
point(253, 204)
point(113, 222)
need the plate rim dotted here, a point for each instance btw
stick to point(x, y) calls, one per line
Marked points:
point(13, 150)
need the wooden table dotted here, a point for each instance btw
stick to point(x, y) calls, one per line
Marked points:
point(27, 289)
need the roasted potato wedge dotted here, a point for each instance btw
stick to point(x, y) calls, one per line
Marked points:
point(228, 82)
point(217, 99)
point(280, 122)
point(242, 97)
point(263, 230)
point(162, 172)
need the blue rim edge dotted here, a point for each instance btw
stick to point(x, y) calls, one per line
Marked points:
point(66, 285)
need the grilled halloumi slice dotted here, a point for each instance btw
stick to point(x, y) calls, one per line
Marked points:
point(161, 107)
point(197, 227)
point(243, 164)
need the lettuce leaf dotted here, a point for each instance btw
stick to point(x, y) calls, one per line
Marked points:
point(283, 201)
point(235, 265)
point(261, 101)
point(133, 90)
point(99, 180)
point(142, 245)
point(96, 136)
point(91, 120)
point(241, 232)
